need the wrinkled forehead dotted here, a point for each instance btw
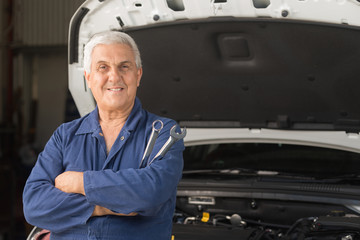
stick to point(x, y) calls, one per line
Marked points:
point(114, 52)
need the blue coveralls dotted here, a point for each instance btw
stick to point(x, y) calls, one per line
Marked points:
point(114, 181)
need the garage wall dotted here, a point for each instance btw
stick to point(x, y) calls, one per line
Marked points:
point(40, 36)
point(4, 45)
point(51, 73)
point(43, 22)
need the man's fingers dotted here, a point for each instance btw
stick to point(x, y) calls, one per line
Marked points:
point(70, 182)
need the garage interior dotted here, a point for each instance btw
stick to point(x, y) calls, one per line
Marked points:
point(34, 96)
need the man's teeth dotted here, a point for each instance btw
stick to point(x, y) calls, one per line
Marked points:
point(115, 89)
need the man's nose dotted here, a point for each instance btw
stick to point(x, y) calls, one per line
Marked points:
point(115, 75)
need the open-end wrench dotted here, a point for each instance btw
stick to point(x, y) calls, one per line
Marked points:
point(174, 137)
point(154, 134)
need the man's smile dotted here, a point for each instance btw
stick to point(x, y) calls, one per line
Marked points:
point(115, 89)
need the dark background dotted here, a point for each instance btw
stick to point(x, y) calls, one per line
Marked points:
point(34, 98)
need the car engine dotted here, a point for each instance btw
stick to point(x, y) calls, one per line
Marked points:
point(260, 219)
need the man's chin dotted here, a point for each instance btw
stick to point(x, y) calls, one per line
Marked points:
point(116, 106)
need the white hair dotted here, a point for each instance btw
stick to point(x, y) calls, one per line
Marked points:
point(109, 37)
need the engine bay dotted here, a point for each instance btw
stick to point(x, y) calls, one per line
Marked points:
point(255, 191)
point(205, 217)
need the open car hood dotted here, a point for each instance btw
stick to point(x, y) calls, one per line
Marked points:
point(238, 64)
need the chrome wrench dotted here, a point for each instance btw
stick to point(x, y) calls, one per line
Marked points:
point(174, 137)
point(154, 134)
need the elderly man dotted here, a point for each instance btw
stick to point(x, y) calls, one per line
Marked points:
point(87, 183)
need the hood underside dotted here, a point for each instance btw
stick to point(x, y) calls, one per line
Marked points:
point(252, 73)
point(234, 71)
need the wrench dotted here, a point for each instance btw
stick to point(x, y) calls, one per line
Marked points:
point(174, 137)
point(154, 134)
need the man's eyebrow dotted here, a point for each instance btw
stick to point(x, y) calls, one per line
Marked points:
point(126, 61)
point(101, 61)
point(122, 62)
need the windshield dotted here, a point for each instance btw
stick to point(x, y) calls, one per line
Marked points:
point(295, 159)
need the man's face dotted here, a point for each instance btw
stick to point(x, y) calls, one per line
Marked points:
point(114, 77)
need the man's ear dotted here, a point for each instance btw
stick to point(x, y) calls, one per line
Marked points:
point(139, 75)
point(87, 78)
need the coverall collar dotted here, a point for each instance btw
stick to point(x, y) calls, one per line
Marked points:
point(91, 121)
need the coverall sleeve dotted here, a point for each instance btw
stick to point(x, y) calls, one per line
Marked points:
point(46, 206)
point(143, 190)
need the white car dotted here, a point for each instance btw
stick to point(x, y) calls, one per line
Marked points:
point(269, 93)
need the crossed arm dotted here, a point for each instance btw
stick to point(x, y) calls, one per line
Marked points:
point(73, 182)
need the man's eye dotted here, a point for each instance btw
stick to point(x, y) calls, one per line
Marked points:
point(102, 67)
point(124, 68)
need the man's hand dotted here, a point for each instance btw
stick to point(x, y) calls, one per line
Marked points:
point(101, 211)
point(73, 182)
point(70, 182)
